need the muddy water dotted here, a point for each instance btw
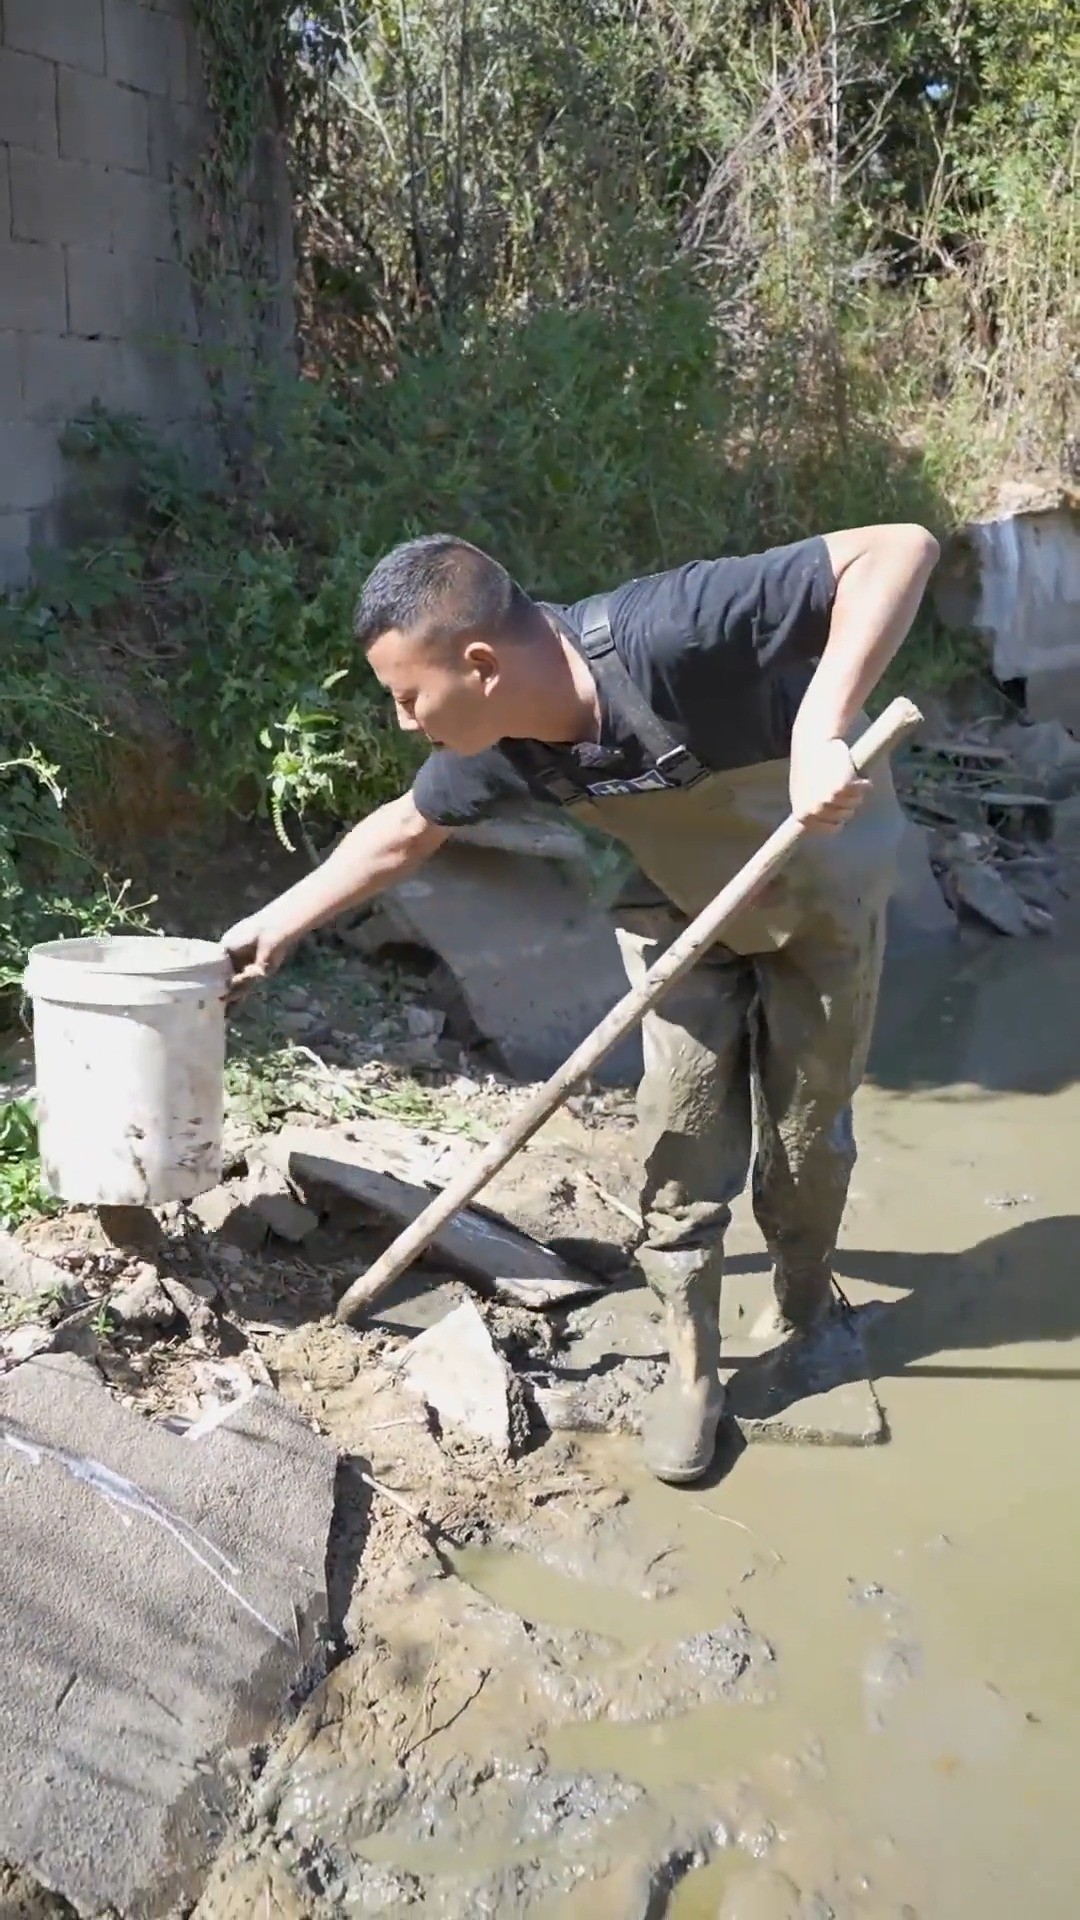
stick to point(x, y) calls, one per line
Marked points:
point(920, 1753)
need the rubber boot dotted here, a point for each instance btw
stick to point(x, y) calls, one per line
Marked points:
point(683, 1414)
point(801, 1307)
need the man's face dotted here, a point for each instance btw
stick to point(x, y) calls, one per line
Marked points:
point(450, 694)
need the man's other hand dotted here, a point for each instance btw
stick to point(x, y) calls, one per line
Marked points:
point(825, 788)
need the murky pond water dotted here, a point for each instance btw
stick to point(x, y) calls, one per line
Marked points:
point(920, 1753)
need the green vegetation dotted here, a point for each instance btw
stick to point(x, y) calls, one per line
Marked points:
point(21, 1192)
point(601, 284)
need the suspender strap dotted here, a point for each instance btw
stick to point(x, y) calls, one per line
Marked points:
point(667, 754)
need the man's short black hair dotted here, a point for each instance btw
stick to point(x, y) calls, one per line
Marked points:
point(440, 586)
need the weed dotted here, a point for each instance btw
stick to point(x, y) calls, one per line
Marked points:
point(21, 1192)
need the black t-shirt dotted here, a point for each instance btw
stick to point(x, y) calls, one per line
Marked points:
point(723, 651)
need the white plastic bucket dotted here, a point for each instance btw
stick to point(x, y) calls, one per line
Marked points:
point(129, 1054)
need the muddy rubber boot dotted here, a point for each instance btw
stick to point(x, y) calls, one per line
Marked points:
point(683, 1414)
point(799, 1309)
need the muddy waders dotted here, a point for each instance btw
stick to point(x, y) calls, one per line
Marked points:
point(771, 1031)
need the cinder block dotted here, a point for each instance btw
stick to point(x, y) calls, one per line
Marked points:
point(143, 219)
point(103, 122)
point(14, 550)
point(29, 464)
point(61, 200)
point(64, 376)
point(71, 31)
point(11, 396)
point(175, 312)
point(34, 296)
point(27, 101)
point(109, 294)
point(138, 46)
point(177, 132)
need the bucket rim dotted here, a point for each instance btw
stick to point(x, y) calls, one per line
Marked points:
point(179, 955)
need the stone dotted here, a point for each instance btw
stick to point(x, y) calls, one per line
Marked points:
point(268, 1195)
point(456, 1367)
point(160, 1597)
point(215, 1209)
point(286, 1218)
point(982, 890)
point(393, 1171)
point(28, 1276)
point(143, 1302)
point(535, 957)
point(424, 1023)
point(21, 1343)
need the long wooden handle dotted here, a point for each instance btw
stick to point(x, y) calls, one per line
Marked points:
point(881, 737)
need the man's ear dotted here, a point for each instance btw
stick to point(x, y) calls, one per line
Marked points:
point(482, 660)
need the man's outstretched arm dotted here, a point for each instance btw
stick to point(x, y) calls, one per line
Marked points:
point(382, 850)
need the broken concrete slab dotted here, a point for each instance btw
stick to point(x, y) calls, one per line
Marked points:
point(159, 1598)
point(983, 891)
point(456, 1367)
point(394, 1171)
point(535, 957)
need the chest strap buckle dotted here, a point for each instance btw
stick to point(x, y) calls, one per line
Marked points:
point(680, 768)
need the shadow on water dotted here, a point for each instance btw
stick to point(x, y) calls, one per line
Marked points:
point(1012, 1289)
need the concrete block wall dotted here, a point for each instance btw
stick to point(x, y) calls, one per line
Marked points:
point(101, 124)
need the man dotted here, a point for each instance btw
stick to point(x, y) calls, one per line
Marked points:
point(683, 714)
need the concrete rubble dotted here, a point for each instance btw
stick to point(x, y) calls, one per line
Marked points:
point(160, 1598)
point(456, 1368)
